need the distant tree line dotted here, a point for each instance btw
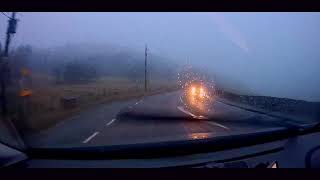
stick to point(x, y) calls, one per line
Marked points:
point(78, 64)
point(75, 71)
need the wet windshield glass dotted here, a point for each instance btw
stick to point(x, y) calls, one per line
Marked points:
point(100, 79)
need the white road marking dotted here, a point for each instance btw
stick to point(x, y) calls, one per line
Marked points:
point(189, 113)
point(181, 99)
point(185, 111)
point(217, 124)
point(90, 137)
point(139, 101)
point(109, 123)
point(202, 117)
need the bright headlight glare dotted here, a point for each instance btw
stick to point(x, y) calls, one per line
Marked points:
point(193, 90)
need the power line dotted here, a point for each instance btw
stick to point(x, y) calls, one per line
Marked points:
point(6, 15)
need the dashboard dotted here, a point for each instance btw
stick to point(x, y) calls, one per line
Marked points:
point(296, 152)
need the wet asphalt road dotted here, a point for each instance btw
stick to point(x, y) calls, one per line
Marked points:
point(155, 118)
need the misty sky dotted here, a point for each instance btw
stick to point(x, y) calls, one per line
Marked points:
point(275, 54)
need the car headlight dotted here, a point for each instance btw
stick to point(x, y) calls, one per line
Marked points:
point(202, 93)
point(193, 90)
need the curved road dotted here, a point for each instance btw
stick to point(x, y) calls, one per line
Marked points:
point(155, 118)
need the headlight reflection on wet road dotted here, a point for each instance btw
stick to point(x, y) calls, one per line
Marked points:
point(194, 136)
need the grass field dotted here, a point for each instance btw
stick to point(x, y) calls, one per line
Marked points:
point(45, 109)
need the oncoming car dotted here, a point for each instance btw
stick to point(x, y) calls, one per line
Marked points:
point(197, 90)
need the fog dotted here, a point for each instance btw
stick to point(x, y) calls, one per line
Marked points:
point(270, 54)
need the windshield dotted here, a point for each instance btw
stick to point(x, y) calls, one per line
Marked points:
point(103, 79)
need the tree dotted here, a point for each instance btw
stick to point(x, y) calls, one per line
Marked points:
point(78, 72)
point(20, 60)
point(58, 73)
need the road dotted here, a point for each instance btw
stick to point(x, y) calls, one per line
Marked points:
point(155, 118)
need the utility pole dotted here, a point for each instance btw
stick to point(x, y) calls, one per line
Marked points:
point(145, 68)
point(12, 24)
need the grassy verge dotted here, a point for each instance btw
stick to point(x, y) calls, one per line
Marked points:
point(45, 109)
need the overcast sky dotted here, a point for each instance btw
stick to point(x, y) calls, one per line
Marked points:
point(275, 54)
